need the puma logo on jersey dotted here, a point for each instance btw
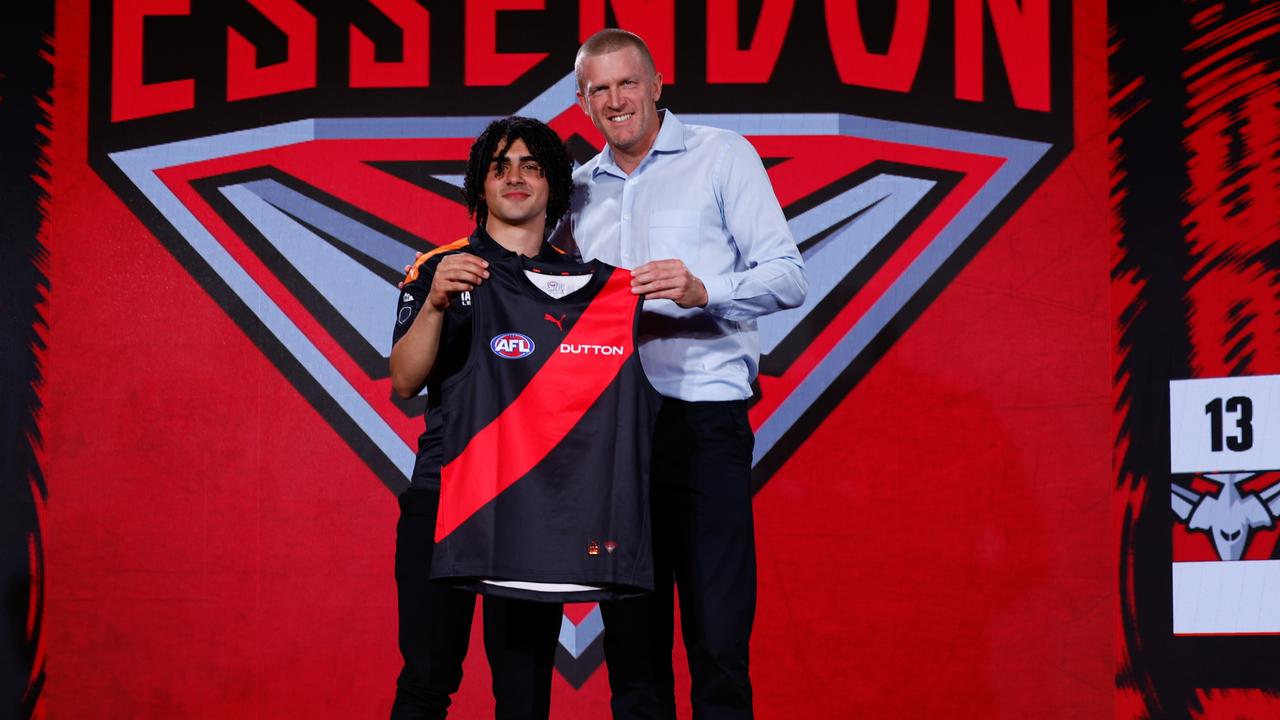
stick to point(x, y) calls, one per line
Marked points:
point(554, 320)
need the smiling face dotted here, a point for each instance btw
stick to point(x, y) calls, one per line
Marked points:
point(620, 92)
point(515, 190)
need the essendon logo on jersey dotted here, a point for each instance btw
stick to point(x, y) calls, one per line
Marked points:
point(294, 156)
point(511, 346)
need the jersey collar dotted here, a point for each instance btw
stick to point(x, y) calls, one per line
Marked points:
point(484, 244)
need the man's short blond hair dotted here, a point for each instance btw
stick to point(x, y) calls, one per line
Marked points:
point(607, 41)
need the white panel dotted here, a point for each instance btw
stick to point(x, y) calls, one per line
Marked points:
point(1249, 436)
point(1226, 598)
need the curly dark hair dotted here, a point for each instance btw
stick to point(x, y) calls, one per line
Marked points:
point(547, 149)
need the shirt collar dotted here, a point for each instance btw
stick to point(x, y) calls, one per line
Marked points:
point(482, 243)
point(670, 134)
point(670, 139)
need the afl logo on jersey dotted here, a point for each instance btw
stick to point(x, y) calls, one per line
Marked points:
point(511, 346)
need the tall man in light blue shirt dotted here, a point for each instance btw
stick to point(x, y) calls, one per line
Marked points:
point(690, 209)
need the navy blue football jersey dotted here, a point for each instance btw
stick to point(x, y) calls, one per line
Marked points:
point(547, 439)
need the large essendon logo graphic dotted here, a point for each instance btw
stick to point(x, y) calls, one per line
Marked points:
point(294, 157)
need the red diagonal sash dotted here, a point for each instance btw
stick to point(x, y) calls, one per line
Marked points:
point(544, 412)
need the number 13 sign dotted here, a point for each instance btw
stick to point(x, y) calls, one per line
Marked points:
point(1229, 424)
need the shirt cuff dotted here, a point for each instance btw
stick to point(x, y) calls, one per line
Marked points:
point(719, 292)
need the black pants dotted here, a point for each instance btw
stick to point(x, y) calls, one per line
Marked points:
point(704, 540)
point(435, 630)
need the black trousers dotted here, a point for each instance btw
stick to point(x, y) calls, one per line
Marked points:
point(704, 541)
point(435, 629)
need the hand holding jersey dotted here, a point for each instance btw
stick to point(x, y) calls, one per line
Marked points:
point(456, 274)
point(669, 280)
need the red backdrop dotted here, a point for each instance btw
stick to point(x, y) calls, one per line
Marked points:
point(939, 545)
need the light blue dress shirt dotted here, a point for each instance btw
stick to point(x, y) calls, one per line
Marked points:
point(702, 196)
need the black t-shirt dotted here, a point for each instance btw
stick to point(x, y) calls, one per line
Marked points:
point(455, 337)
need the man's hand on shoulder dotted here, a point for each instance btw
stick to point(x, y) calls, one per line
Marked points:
point(669, 280)
point(460, 272)
point(409, 275)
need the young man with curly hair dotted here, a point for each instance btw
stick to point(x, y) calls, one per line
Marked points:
point(517, 186)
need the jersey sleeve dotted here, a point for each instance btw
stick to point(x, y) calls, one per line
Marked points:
point(412, 296)
point(455, 333)
point(417, 284)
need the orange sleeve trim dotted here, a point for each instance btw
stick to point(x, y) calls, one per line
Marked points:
point(413, 269)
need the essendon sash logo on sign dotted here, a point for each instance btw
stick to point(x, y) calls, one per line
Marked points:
point(293, 155)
